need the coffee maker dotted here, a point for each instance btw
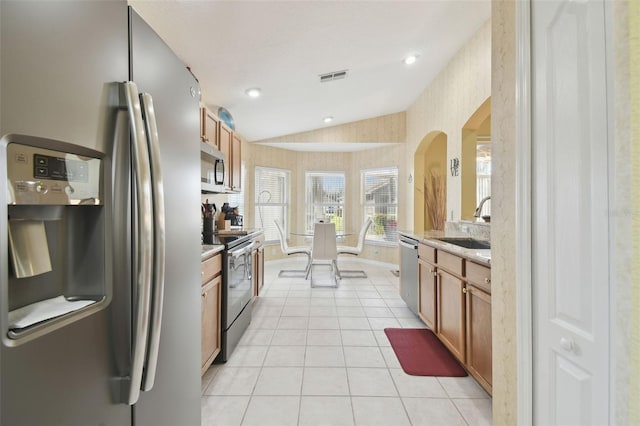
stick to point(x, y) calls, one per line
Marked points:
point(232, 214)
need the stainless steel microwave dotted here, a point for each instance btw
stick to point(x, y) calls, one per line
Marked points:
point(211, 168)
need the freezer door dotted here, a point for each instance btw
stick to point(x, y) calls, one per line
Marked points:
point(175, 396)
point(60, 64)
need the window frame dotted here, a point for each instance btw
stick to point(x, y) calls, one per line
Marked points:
point(310, 206)
point(286, 204)
point(365, 205)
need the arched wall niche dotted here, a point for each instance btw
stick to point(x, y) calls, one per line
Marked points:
point(430, 169)
point(476, 139)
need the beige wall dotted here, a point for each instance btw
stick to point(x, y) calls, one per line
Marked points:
point(386, 128)
point(627, 128)
point(503, 223)
point(446, 105)
point(389, 128)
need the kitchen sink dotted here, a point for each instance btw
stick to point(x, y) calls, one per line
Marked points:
point(469, 243)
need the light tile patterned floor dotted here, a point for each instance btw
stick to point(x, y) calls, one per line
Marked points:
point(320, 357)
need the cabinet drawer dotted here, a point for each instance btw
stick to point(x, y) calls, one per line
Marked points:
point(479, 275)
point(211, 267)
point(427, 253)
point(451, 262)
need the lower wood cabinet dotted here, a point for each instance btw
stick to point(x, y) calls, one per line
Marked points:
point(210, 310)
point(455, 302)
point(428, 295)
point(478, 312)
point(451, 313)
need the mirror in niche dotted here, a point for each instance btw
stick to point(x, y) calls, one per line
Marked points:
point(476, 163)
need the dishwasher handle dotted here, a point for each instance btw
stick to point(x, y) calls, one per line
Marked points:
point(410, 244)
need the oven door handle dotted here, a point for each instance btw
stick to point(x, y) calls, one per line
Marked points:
point(241, 251)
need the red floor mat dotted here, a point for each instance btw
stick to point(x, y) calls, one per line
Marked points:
point(421, 353)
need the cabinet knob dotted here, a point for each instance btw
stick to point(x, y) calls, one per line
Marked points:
point(464, 290)
point(567, 344)
point(204, 295)
point(487, 280)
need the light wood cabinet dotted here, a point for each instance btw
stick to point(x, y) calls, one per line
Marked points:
point(479, 353)
point(216, 133)
point(451, 313)
point(225, 135)
point(209, 127)
point(236, 162)
point(427, 300)
point(456, 304)
point(210, 310)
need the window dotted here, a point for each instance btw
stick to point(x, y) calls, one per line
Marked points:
point(272, 201)
point(380, 199)
point(483, 175)
point(325, 199)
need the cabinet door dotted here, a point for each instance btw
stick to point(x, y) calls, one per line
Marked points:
point(211, 129)
point(236, 163)
point(210, 322)
point(479, 335)
point(451, 313)
point(225, 146)
point(427, 280)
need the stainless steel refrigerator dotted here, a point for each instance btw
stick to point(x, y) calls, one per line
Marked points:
point(99, 234)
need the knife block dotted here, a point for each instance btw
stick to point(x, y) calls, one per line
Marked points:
point(207, 230)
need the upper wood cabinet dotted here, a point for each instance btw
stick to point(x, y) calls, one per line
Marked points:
point(209, 128)
point(216, 133)
point(226, 137)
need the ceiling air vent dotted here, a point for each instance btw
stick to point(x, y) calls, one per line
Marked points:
point(336, 75)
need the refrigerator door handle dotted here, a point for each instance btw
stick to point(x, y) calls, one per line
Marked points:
point(159, 242)
point(144, 225)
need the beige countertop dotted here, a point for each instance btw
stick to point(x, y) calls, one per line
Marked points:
point(210, 250)
point(431, 238)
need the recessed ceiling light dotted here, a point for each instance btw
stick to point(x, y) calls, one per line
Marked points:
point(254, 92)
point(411, 59)
point(328, 119)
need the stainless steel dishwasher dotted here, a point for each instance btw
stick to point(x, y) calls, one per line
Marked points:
point(409, 271)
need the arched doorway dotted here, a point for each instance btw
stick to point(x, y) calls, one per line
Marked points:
point(430, 187)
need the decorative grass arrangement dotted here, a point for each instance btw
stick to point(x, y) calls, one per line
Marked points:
point(435, 200)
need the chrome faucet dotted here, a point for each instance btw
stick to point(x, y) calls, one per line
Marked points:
point(479, 209)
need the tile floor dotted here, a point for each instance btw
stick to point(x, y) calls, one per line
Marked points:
point(320, 357)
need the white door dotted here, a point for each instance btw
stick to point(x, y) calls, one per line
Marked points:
point(570, 213)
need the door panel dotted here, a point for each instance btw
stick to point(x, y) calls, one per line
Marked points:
point(175, 397)
point(60, 62)
point(570, 213)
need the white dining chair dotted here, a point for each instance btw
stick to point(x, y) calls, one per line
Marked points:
point(289, 250)
point(324, 251)
point(355, 251)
